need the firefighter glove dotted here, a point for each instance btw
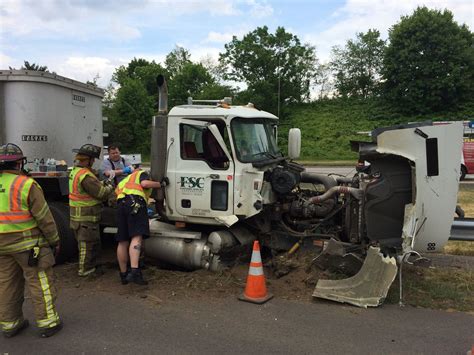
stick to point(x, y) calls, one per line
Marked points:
point(108, 182)
point(164, 182)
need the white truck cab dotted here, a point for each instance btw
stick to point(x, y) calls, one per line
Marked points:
point(212, 162)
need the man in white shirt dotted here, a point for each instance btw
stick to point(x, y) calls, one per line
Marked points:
point(116, 167)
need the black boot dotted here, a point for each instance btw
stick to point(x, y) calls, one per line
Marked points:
point(136, 277)
point(123, 277)
point(49, 332)
point(11, 333)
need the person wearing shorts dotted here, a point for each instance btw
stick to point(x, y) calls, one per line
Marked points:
point(133, 226)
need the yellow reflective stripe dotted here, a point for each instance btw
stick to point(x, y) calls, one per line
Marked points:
point(24, 194)
point(49, 322)
point(6, 326)
point(43, 212)
point(86, 219)
point(15, 192)
point(17, 230)
point(77, 195)
point(131, 186)
point(53, 238)
point(17, 195)
point(51, 315)
point(23, 245)
point(85, 273)
point(28, 233)
point(82, 256)
point(15, 215)
point(102, 192)
point(82, 260)
point(76, 215)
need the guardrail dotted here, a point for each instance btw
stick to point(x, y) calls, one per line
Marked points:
point(462, 229)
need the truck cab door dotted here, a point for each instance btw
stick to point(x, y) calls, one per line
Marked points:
point(204, 172)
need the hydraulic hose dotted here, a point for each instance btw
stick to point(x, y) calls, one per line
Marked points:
point(357, 193)
point(327, 181)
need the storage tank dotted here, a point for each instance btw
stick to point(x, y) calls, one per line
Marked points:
point(48, 115)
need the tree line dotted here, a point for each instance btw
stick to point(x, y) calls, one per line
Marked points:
point(425, 66)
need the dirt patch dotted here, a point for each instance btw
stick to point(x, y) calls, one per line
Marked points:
point(164, 285)
point(452, 261)
point(290, 278)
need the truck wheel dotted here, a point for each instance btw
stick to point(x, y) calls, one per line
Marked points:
point(463, 172)
point(68, 250)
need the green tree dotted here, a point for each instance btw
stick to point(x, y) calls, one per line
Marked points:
point(194, 80)
point(130, 107)
point(277, 68)
point(358, 65)
point(324, 84)
point(176, 60)
point(123, 72)
point(130, 116)
point(189, 81)
point(142, 70)
point(34, 66)
point(429, 63)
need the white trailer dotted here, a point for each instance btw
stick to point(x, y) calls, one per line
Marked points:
point(47, 115)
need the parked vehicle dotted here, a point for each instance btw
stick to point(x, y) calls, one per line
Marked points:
point(467, 162)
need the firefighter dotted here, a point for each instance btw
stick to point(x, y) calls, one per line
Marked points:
point(133, 225)
point(27, 234)
point(86, 194)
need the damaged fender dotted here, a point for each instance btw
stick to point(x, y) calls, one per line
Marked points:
point(434, 152)
point(368, 288)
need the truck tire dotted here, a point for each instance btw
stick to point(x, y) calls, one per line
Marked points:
point(68, 248)
point(463, 172)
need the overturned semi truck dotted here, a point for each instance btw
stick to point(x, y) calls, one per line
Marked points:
point(228, 184)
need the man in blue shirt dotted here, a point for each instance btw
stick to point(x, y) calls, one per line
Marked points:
point(116, 167)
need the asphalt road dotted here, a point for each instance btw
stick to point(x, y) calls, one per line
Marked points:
point(104, 323)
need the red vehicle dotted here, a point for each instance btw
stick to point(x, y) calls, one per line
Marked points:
point(467, 162)
point(467, 158)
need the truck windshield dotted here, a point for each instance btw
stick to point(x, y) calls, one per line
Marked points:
point(254, 140)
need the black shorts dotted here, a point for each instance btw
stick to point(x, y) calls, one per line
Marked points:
point(130, 225)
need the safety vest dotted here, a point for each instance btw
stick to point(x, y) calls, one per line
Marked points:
point(131, 186)
point(15, 215)
point(78, 197)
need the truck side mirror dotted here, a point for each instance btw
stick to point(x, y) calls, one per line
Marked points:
point(294, 143)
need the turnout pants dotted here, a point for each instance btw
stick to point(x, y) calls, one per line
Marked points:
point(88, 241)
point(14, 272)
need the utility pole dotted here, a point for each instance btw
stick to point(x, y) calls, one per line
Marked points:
point(279, 70)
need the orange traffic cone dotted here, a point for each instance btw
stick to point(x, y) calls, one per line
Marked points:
point(255, 289)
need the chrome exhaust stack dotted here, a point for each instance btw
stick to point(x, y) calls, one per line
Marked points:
point(159, 139)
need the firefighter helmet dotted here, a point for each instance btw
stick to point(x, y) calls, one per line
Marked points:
point(90, 150)
point(10, 152)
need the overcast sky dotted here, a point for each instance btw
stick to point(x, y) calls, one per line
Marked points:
point(82, 38)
